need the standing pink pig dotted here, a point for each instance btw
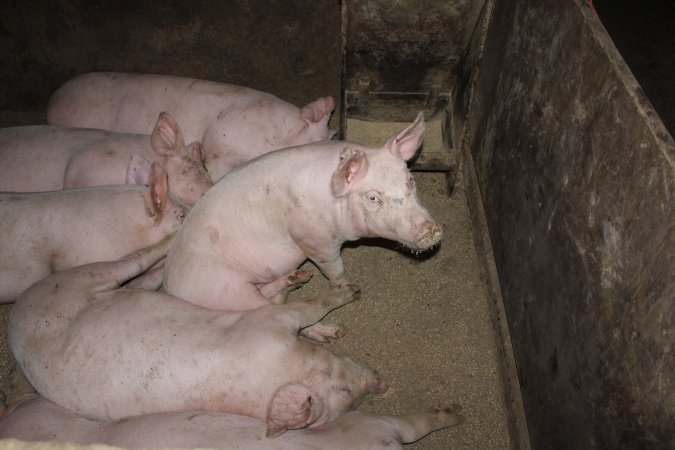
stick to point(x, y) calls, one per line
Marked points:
point(38, 158)
point(45, 232)
point(234, 123)
point(108, 353)
point(242, 241)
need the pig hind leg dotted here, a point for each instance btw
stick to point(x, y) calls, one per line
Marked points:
point(112, 274)
point(150, 280)
point(276, 291)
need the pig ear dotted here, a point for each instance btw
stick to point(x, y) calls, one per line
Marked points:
point(405, 144)
point(157, 192)
point(196, 150)
point(166, 138)
point(352, 168)
point(138, 170)
point(292, 406)
point(317, 110)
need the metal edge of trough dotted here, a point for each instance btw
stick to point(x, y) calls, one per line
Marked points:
point(517, 421)
point(468, 180)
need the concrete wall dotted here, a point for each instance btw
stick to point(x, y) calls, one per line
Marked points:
point(576, 174)
point(291, 49)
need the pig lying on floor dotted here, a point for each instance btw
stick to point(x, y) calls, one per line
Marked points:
point(242, 241)
point(109, 353)
point(39, 158)
point(45, 232)
point(30, 417)
point(234, 123)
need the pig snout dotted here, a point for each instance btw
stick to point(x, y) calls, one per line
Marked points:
point(430, 234)
point(379, 386)
point(371, 382)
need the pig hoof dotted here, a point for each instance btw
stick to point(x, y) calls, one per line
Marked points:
point(341, 331)
point(347, 292)
point(322, 332)
point(356, 290)
point(381, 386)
point(298, 278)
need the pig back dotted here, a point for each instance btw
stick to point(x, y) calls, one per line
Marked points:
point(34, 158)
point(53, 231)
point(126, 102)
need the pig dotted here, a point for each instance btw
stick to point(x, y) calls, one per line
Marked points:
point(109, 353)
point(234, 123)
point(37, 158)
point(200, 429)
point(241, 243)
point(44, 232)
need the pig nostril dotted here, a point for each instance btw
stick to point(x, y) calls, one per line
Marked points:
point(429, 235)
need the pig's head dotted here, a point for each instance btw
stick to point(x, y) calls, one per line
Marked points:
point(183, 164)
point(166, 212)
point(336, 388)
point(380, 191)
point(239, 135)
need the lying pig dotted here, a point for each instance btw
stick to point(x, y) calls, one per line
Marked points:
point(44, 232)
point(234, 123)
point(108, 353)
point(194, 429)
point(241, 242)
point(47, 158)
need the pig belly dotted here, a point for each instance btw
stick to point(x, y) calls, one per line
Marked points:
point(34, 158)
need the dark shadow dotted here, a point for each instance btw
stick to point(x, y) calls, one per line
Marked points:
point(413, 255)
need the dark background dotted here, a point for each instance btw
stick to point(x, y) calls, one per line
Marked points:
point(644, 33)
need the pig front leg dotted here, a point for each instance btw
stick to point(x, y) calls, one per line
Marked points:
point(150, 280)
point(413, 427)
point(333, 268)
point(302, 314)
point(22, 390)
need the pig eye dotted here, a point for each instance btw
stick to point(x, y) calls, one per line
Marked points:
point(411, 182)
point(373, 200)
point(345, 392)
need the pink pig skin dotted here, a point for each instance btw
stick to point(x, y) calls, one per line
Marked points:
point(242, 240)
point(45, 232)
point(234, 123)
point(47, 158)
point(108, 353)
point(36, 419)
